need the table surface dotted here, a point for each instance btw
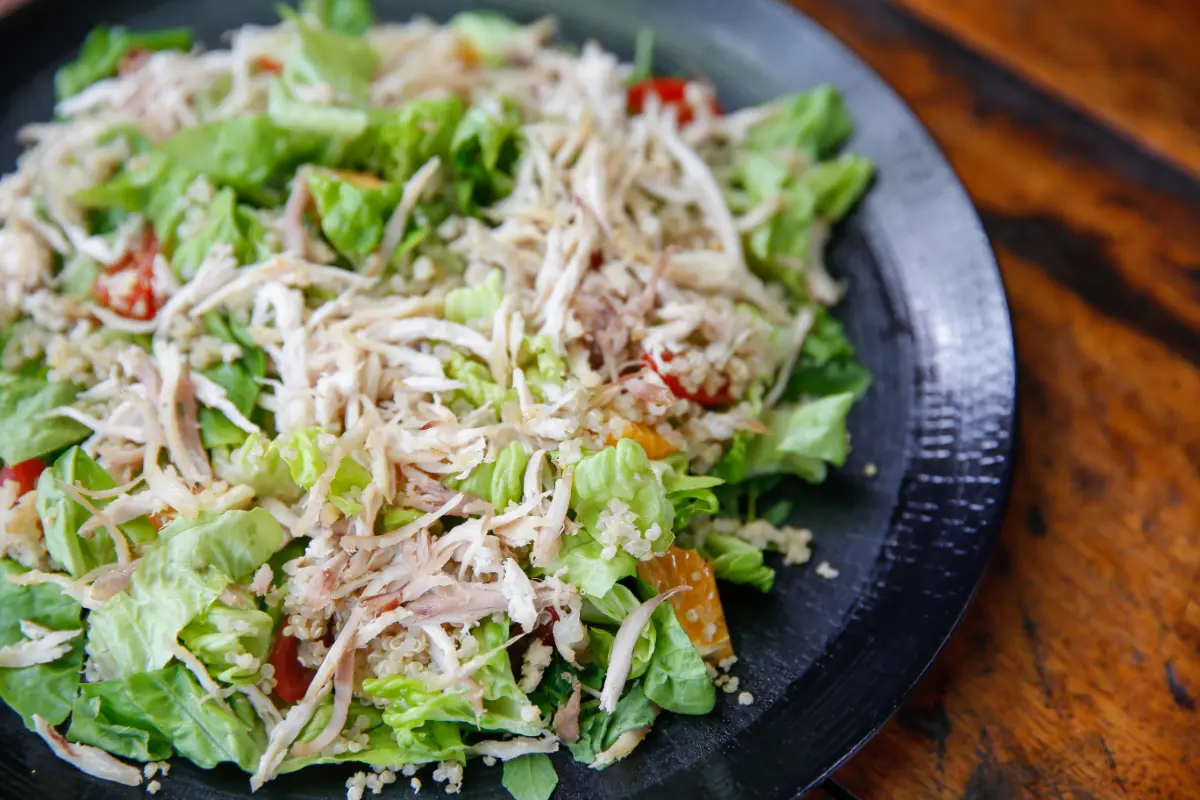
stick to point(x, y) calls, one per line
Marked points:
point(1074, 126)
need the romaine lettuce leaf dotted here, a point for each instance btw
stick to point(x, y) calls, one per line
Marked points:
point(327, 57)
point(599, 731)
point(288, 111)
point(227, 222)
point(530, 777)
point(257, 463)
point(677, 679)
point(24, 432)
point(352, 17)
point(174, 712)
point(420, 130)
point(801, 440)
point(814, 123)
point(481, 301)
point(480, 389)
point(737, 561)
point(176, 581)
point(382, 749)
point(622, 472)
point(241, 379)
point(102, 51)
point(585, 568)
point(43, 689)
point(353, 215)
point(500, 482)
point(483, 154)
point(691, 495)
point(610, 610)
point(62, 517)
point(223, 634)
point(490, 34)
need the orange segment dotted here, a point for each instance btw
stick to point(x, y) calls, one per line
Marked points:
point(698, 609)
point(656, 447)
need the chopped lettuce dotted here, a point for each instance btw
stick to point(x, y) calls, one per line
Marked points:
point(251, 154)
point(382, 749)
point(25, 431)
point(827, 364)
point(226, 222)
point(105, 47)
point(691, 495)
point(489, 34)
point(814, 123)
point(468, 303)
point(151, 184)
point(737, 561)
point(677, 679)
point(479, 390)
point(395, 517)
point(176, 581)
point(420, 130)
point(151, 713)
point(500, 482)
point(241, 379)
point(353, 214)
point(352, 17)
point(622, 472)
point(233, 642)
point(62, 517)
point(483, 153)
point(259, 464)
point(585, 568)
point(291, 463)
point(327, 57)
point(530, 777)
point(801, 440)
point(288, 111)
point(599, 731)
point(46, 690)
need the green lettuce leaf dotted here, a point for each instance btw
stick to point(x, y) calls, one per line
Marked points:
point(351, 17)
point(24, 432)
point(251, 154)
point(420, 130)
point(382, 749)
point(489, 33)
point(737, 561)
point(174, 713)
point(827, 363)
point(584, 567)
point(483, 154)
point(395, 517)
point(150, 184)
point(352, 216)
point(241, 379)
point(259, 464)
point(46, 690)
point(62, 517)
point(801, 440)
point(103, 49)
point(480, 390)
point(175, 582)
point(506, 707)
point(691, 495)
point(530, 777)
point(814, 123)
point(224, 633)
point(599, 731)
point(227, 222)
point(622, 472)
point(327, 57)
point(500, 482)
point(288, 111)
point(468, 303)
point(677, 679)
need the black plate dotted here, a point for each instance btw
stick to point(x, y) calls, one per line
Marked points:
point(827, 661)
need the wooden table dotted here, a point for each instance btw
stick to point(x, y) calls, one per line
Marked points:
point(1075, 126)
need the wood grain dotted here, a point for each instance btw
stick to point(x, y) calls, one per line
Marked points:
point(1076, 673)
point(1132, 63)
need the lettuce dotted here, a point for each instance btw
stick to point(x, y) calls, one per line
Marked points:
point(102, 51)
point(468, 303)
point(490, 34)
point(483, 153)
point(62, 517)
point(25, 432)
point(327, 57)
point(257, 463)
point(420, 130)
point(226, 222)
point(176, 581)
point(585, 568)
point(224, 633)
point(353, 216)
point(394, 517)
point(412, 704)
point(480, 389)
point(382, 750)
point(251, 154)
point(500, 482)
point(352, 17)
point(737, 561)
point(43, 689)
point(827, 363)
point(241, 380)
point(691, 495)
point(288, 111)
point(814, 123)
point(150, 184)
point(622, 472)
point(149, 714)
point(676, 679)
point(801, 440)
point(291, 463)
point(599, 731)
point(530, 777)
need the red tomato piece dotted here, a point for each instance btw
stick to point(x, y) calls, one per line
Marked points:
point(670, 92)
point(268, 64)
point(291, 679)
point(721, 397)
point(139, 302)
point(134, 57)
point(25, 474)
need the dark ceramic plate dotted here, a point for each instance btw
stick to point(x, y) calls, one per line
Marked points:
point(828, 661)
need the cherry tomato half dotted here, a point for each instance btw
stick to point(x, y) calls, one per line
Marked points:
point(25, 473)
point(721, 397)
point(670, 92)
point(139, 302)
point(291, 678)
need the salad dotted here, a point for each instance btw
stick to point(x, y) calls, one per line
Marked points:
point(401, 394)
